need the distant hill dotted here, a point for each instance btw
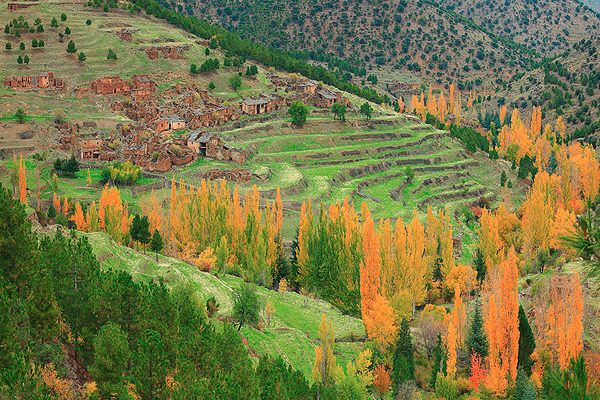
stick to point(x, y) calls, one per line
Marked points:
point(549, 26)
point(409, 36)
point(568, 86)
point(593, 4)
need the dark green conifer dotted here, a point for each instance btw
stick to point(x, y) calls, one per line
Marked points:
point(404, 367)
point(477, 341)
point(526, 342)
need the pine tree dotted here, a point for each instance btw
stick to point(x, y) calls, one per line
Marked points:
point(476, 337)
point(524, 389)
point(151, 366)
point(526, 342)
point(111, 352)
point(43, 311)
point(404, 367)
point(156, 245)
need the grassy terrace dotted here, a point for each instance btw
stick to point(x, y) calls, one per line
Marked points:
point(293, 333)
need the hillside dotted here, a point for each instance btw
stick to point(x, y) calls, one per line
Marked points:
point(293, 332)
point(409, 37)
point(550, 27)
point(567, 87)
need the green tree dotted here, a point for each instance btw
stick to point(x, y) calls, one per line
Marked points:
point(439, 362)
point(410, 174)
point(339, 110)
point(235, 81)
point(51, 211)
point(8, 46)
point(111, 352)
point(479, 265)
point(572, 383)
point(63, 17)
point(151, 366)
point(81, 57)
point(42, 311)
point(20, 115)
point(41, 43)
point(22, 46)
point(246, 305)
point(299, 112)
point(404, 367)
point(67, 31)
point(105, 9)
point(140, 230)
point(111, 55)
point(70, 166)
point(193, 69)
point(156, 245)
point(71, 47)
point(40, 28)
point(207, 52)
point(477, 341)
point(26, 59)
point(54, 23)
point(524, 389)
point(34, 43)
point(88, 22)
point(526, 342)
point(503, 178)
point(211, 86)
point(366, 109)
point(213, 44)
point(7, 29)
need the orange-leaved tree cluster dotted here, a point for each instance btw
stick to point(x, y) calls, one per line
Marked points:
point(502, 323)
point(378, 314)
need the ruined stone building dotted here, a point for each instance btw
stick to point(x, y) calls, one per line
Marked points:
point(208, 144)
point(263, 104)
point(20, 6)
point(172, 52)
point(110, 85)
point(91, 148)
point(326, 99)
point(42, 81)
point(308, 87)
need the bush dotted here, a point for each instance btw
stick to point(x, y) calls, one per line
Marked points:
point(63, 17)
point(122, 173)
point(445, 387)
point(8, 46)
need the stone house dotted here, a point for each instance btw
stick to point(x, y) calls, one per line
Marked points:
point(308, 87)
point(143, 81)
point(160, 124)
point(19, 6)
point(326, 99)
point(90, 148)
point(175, 123)
point(43, 81)
point(208, 144)
point(263, 104)
point(110, 85)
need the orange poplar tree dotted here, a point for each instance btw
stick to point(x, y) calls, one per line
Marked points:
point(502, 323)
point(378, 315)
point(22, 182)
point(382, 380)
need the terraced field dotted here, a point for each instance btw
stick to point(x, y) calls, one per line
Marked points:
point(366, 161)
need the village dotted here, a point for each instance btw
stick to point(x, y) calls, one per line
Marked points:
point(150, 142)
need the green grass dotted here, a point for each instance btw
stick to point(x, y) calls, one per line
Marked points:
point(293, 333)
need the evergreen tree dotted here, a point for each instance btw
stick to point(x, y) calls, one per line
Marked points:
point(503, 178)
point(524, 389)
point(111, 352)
point(70, 166)
point(54, 23)
point(51, 211)
point(43, 311)
point(81, 56)
point(404, 367)
point(479, 265)
point(439, 362)
point(526, 342)
point(246, 305)
point(151, 366)
point(235, 82)
point(156, 245)
point(111, 55)
point(71, 47)
point(476, 340)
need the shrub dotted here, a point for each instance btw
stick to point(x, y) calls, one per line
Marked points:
point(122, 173)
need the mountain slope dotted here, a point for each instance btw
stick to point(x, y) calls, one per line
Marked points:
point(409, 35)
point(549, 26)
